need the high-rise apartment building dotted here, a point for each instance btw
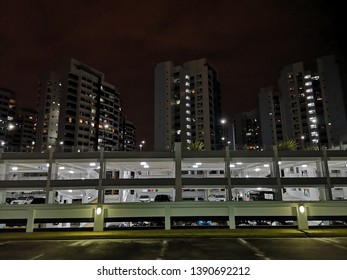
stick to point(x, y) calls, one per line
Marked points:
point(24, 132)
point(7, 118)
point(187, 105)
point(246, 130)
point(17, 125)
point(127, 135)
point(50, 93)
point(270, 117)
point(79, 111)
point(309, 107)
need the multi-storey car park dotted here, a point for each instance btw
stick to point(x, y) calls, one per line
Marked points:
point(102, 190)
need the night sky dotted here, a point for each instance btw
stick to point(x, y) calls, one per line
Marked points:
point(248, 42)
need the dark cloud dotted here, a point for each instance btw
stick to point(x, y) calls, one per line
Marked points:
point(246, 41)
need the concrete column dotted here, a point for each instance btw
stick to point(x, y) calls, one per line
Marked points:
point(3, 171)
point(2, 198)
point(167, 218)
point(302, 217)
point(49, 175)
point(276, 168)
point(51, 197)
point(232, 223)
point(228, 174)
point(328, 186)
point(54, 171)
point(30, 221)
point(178, 171)
point(99, 219)
point(101, 192)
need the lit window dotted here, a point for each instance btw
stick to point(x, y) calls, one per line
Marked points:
point(308, 84)
point(311, 104)
point(307, 77)
point(309, 90)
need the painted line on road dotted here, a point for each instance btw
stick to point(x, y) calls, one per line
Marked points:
point(332, 242)
point(163, 249)
point(256, 250)
point(3, 243)
point(36, 257)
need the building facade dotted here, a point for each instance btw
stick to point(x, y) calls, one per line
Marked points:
point(80, 111)
point(187, 105)
point(308, 108)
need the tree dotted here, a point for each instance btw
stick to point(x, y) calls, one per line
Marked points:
point(196, 146)
point(287, 145)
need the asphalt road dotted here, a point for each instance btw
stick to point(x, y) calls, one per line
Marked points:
point(177, 249)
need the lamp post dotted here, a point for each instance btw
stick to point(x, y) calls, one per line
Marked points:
point(142, 144)
point(224, 138)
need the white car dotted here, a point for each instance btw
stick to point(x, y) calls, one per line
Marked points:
point(22, 200)
point(144, 198)
point(216, 197)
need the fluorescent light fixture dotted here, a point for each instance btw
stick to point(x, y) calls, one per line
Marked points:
point(239, 163)
point(14, 168)
point(61, 167)
point(266, 165)
point(92, 164)
point(143, 163)
point(232, 165)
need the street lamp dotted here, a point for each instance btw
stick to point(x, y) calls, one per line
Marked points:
point(142, 144)
point(224, 140)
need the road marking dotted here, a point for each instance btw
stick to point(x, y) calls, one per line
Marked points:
point(257, 251)
point(3, 243)
point(332, 242)
point(163, 249)
point(38, 256)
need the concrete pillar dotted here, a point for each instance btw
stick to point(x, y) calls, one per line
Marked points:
point(49, 174)
point(167, 218)
point(30, 221)
point(276, 168)
point(302, 217)
point(2, 198)
point(228, 174)
point(101, 191)
point(178, 171)
point(328, 186)
point(232, 223)
point(99, 218)
point(51, 197)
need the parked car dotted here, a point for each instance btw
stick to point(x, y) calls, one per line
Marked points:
point(216, 197)
point(22, 200)
point(162, 198)
point(144, 198)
